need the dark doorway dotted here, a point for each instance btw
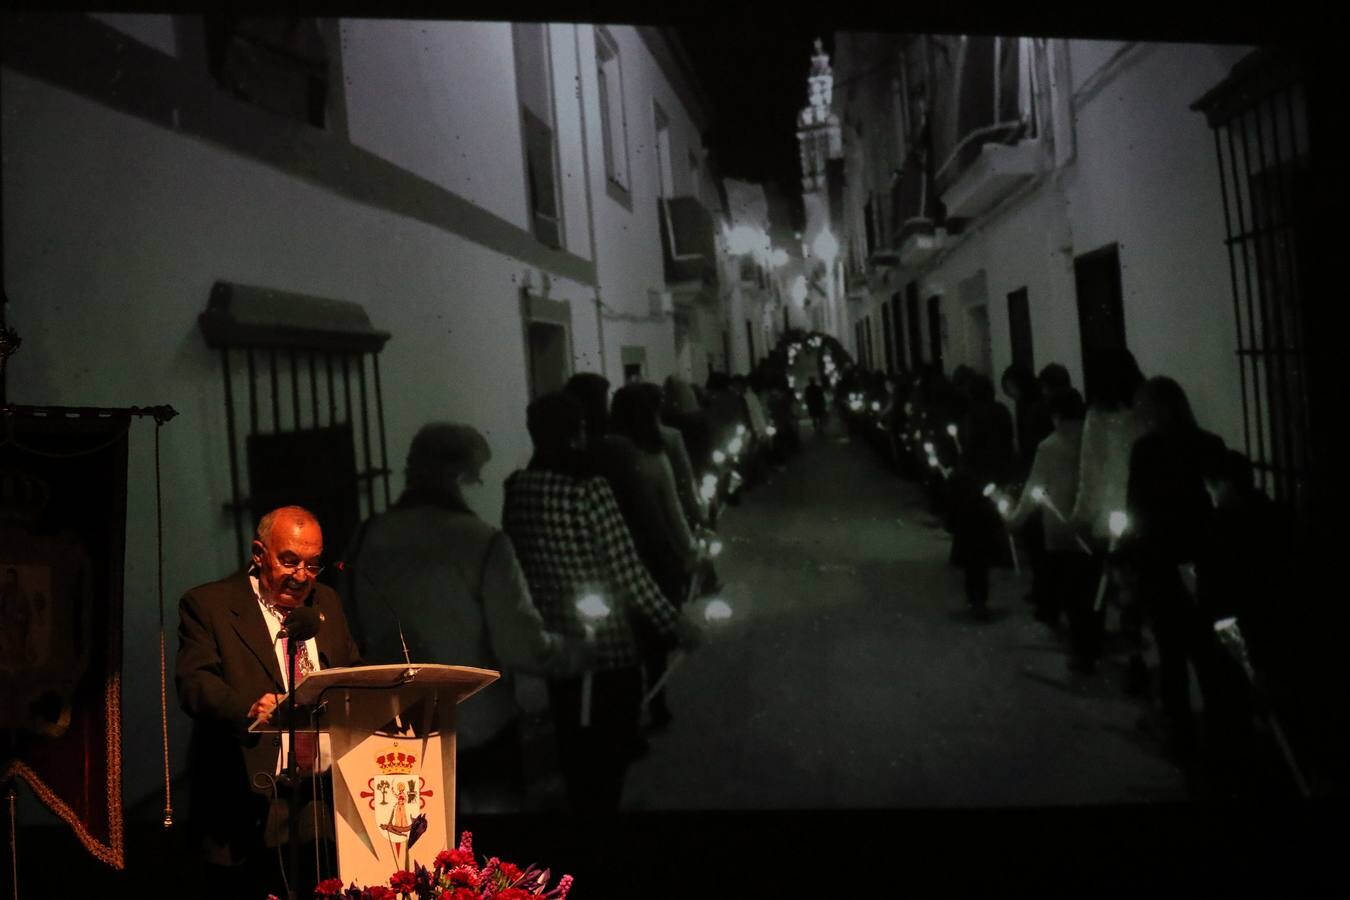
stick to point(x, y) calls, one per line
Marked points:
point(935, 330)
point(548, 358)
point(1019, 330)
point(915, 325)
point(1101, 313)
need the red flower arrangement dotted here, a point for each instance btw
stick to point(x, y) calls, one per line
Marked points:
point(456, 875)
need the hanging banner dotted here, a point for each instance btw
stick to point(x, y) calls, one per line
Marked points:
point(62, 537)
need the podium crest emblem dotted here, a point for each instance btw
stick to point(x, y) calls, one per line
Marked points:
point(396, 792)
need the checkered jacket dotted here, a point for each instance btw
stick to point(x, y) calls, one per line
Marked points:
point(571, 540)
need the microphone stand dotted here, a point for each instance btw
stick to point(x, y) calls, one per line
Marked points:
point(291, 778)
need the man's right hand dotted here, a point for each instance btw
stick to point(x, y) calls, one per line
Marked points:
point(263, 707)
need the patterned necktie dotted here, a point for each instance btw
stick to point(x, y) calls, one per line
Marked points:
point(305, 743)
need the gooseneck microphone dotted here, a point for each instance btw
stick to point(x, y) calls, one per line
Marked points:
point(345, 566)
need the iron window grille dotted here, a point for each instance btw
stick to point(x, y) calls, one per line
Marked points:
point(306, 372)
point(1261, 137)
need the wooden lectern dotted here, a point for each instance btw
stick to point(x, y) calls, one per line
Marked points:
point(392, 730)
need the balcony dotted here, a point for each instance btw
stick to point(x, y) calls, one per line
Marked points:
point(985, 140)
point(688, 245)
point(995, 172)
point(915, 211)
point(920, 240)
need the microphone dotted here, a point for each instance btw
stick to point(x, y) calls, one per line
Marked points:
point(301, 623)
point(344, 566)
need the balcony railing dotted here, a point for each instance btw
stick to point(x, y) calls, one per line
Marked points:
point(688, 245)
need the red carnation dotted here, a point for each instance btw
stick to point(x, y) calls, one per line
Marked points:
point(459, 894)
point(465, 875)
point(448, 859)
point(404, 882)
point(329, 887)
point(513, 894)
point(511, 871)
point(380, 892)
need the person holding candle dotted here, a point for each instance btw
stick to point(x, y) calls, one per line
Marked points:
point(662, 537)
point(1110, 429)
point(1247, 564)
point(681, 410)
point(978, 536)
point(726, 414)
point(1171, 516)
point(1070, 572)
point(1032, 425)
point(573, 544)
point(681, 467)
point(460, 598)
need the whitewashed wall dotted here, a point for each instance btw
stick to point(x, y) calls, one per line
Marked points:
point(115, 238)
point(1144, 177)
point(439, 99)
point(630, 261)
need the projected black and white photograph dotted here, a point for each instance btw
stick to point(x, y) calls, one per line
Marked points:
point(471, 458)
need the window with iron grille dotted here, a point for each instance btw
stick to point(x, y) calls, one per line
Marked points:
point(312, 421)
point(1261, 138)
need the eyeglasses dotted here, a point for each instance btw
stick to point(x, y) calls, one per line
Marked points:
point(314, 569)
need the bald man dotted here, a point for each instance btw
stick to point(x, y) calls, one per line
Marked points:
point(231, 670)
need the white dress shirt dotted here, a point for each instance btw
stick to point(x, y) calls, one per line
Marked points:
point(312, 648)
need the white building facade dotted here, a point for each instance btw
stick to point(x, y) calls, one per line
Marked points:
point(441, 219)
point(1028, 200)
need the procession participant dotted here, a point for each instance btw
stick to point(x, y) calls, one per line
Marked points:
point(430, 575)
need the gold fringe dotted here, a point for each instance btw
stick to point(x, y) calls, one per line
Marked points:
point(113, 852)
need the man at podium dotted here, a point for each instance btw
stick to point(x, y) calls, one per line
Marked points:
point(231, 671)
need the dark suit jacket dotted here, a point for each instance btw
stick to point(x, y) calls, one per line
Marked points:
point(225, 662)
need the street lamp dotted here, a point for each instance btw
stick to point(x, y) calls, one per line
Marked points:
point(825, 246)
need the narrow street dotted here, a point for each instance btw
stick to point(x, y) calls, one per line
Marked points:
point(851, 676)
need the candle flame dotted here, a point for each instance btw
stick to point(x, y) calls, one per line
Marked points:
point(717, 611)
point(1119, 523)
point(593, 606)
